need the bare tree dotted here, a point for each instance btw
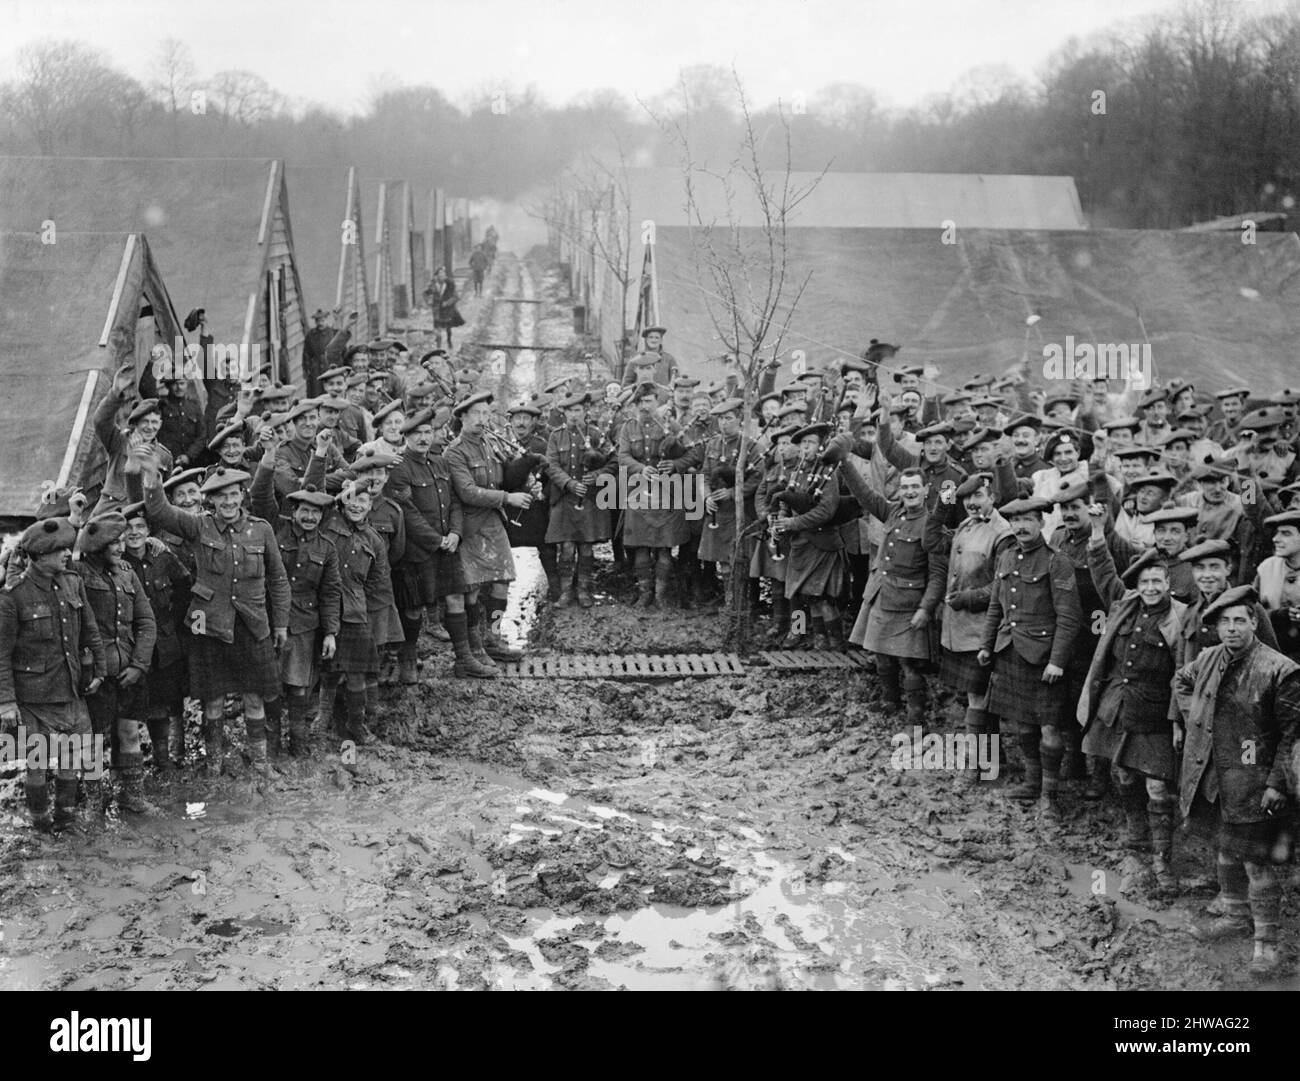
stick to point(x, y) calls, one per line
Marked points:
point(57, 87)
point(742, 267)
point(244, 97)
point(173, 82)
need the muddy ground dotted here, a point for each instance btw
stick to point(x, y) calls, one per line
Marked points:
point(725, 832)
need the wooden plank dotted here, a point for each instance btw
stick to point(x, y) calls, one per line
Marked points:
point(733, 659)
point(642, 664)
point(683, 663)
point(709, 665)
point(551, 667)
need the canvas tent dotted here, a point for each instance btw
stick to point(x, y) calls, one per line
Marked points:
point(1213, 309)
point(71, 313)
point(330, 238)
point(218, 228)
point(654, 199)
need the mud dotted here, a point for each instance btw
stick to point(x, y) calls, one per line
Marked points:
point(740, 832)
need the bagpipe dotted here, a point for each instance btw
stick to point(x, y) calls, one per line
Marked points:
point(722, 478)
point(519, 466)
point(593, 459)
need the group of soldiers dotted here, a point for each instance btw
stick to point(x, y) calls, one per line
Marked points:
point(1109, 577)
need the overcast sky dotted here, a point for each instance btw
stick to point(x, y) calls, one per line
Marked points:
point(337, 51)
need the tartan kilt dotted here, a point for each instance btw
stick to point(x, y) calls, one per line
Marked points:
point(761, 564)
point(244, 666)
point(814, 572)
point(961, 672)
point(1150, 753)
point(591, 525)
point(356, 650)
point(1018, 693)
point(298, 658)
point(418, 584)
point(167, 686)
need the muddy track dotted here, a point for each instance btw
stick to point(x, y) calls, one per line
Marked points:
point(739, 832)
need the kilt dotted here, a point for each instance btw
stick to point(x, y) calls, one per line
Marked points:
point(1151, 753)
point(761, 564)
point(961, 672)
point(656, 528)
point(298, 658)
point(418, 584)
point(386, 624)
point(111, 703)
point(587, 526)
point(485, 554)
point(891, 634)
point(813, 572)
point(356, 650)
point(1018, 693)
point(715, 544)
point(245, 666)
point(1252, 841)
point(166, 687)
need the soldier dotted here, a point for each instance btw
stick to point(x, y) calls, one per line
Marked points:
point(1276, 581)
point(143, 424)
point(771, 557)
point(1212, 567)
point(46, 636)
point(388, 519)
point(576, 457)
point(239, 606)
point(904, 590)
point(1239, 702)
point(653, 364)
point(477, 473)
point(817, 568)
point(1232, 403)
point(1026, 461)
point(937, 470)
point(312, 564)
point(313, 351)
point(1127, 707)
point(652, 528)
point(1032, 624)
point(431, 570)
point(717, 461)
point(127, 629)
point(167, 586)
point(972, 551)
point(1154, 411)
point(363, 569)
point(531, 531)
point(1172, 526)
point(180, 429)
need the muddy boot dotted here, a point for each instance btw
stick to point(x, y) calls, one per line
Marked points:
point(586, 564)
point(274, 719)
point(38, 804)
point(1160, 818)
point(387, 668)
point(298, 745)
point(471, 661)
point(662, 578)
point(1098, 771)
point(891, 694)
point(406, 672)
point(355, 702)
point(92, 792)
point(567, 594)
point(1072, 765)
point(65, 803)
point(780, 617)
point(645, 585)
point(1050, 759)
point(914, 688)
point(325, 711)
point(549, 556)
point(494, 640)
point(130, 770)
point(820, 643)
point(1137, 822)
point(1030, 787)
point(974, 724)
point(1265, 893)
point(212, 748)
point(159, 731)
point(835, 632)
point(176, 741)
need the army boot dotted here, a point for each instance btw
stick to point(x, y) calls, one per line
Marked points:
point(1030, 787)
point(473, 643)
point(38, 804)
point(131, 771)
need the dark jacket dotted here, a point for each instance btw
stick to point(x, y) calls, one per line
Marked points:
point(167, 585)
point(182, 430)
point(122, 613)
point(363, 564)
point(1034, 606)
point(312, 564)
point(422, 486)
point(45, 626)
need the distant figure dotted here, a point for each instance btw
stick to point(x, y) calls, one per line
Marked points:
point(490, 244)
point(441, 295)
point(313, 351)
point(478, 264)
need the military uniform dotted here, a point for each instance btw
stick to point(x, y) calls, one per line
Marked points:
point(939, 476)
point(639, 445)
point(476, 476)
point(565, 454)
point(720, 528)
point(127, 630)
point(312, 564)
point(182, 431)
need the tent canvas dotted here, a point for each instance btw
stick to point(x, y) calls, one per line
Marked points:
point(1213, 309)
point(70, 315)
point(330, 254)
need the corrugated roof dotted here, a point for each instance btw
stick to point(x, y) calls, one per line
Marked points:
point(202, 217)
point(1214, 309)
point(869, 200)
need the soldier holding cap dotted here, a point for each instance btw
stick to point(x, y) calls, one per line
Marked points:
point(1240, 702)
point(143, 424)
point(239, 606)
point(1127, 707)
point(46, 634)
point(1032, 625)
